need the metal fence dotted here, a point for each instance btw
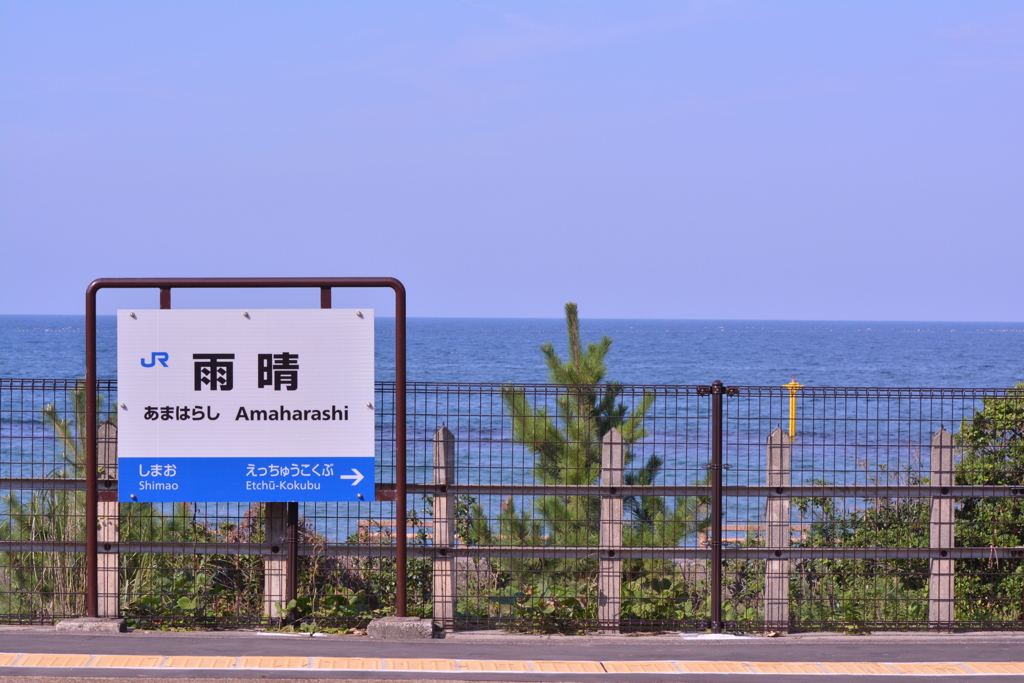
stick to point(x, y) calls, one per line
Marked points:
point(560, 508)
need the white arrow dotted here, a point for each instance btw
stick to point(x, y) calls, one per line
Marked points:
point(356, 477)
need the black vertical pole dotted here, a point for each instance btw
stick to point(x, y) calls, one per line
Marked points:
point(92, 560)
point(716, 506)
point(291, 570)
point(400, 452)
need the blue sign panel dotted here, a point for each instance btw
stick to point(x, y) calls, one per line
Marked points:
point(240, 479)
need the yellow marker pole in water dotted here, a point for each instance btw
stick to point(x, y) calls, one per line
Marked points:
point(793, 387)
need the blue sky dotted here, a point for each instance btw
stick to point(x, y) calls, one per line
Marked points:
point(788, 160)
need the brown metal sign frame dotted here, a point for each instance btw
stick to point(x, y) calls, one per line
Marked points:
point(165, 285)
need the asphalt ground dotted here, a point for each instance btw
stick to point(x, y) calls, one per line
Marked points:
point(545, 658)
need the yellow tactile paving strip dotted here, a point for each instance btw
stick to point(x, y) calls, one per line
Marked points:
point(930, 669)
point(997, 667)
point(127, 661)
point(273, 662)
point(495, 665)
point(785, 668)
point(568, 667)
point(640, 667)
point(350, 663)
point(54, 660)
point(199, 662)
point(855, 668)
point(421, 664)
point(894, 669)
point(713, 667)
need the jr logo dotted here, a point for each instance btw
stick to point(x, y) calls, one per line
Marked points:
point(156, 356)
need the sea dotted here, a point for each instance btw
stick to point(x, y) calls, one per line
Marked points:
point(684, 352)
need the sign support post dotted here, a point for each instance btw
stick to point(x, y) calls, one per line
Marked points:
point(165, 285)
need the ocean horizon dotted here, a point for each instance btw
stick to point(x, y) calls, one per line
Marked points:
point(643, 351)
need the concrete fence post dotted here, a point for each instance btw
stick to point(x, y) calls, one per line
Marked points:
point(940, 586)
point(108, 602)
point(778, 533)
point(444, 530)
point(275, 564)
point(609, 582)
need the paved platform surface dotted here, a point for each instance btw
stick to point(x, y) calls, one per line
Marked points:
point(29, 653)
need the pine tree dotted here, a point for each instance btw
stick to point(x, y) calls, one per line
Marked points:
point(567, 451)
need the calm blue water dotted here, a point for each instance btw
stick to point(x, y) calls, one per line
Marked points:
point(887, 354)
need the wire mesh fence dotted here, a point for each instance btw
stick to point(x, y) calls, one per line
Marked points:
point(878, 518)
point(559, 508)
point(42, 527)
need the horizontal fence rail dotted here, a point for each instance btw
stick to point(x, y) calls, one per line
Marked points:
point(623, 552)
point(560, 508)
point(851, 491)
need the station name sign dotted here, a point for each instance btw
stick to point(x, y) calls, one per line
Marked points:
point(245, 405)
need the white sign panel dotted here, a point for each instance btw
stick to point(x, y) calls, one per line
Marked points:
point(245, 405)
